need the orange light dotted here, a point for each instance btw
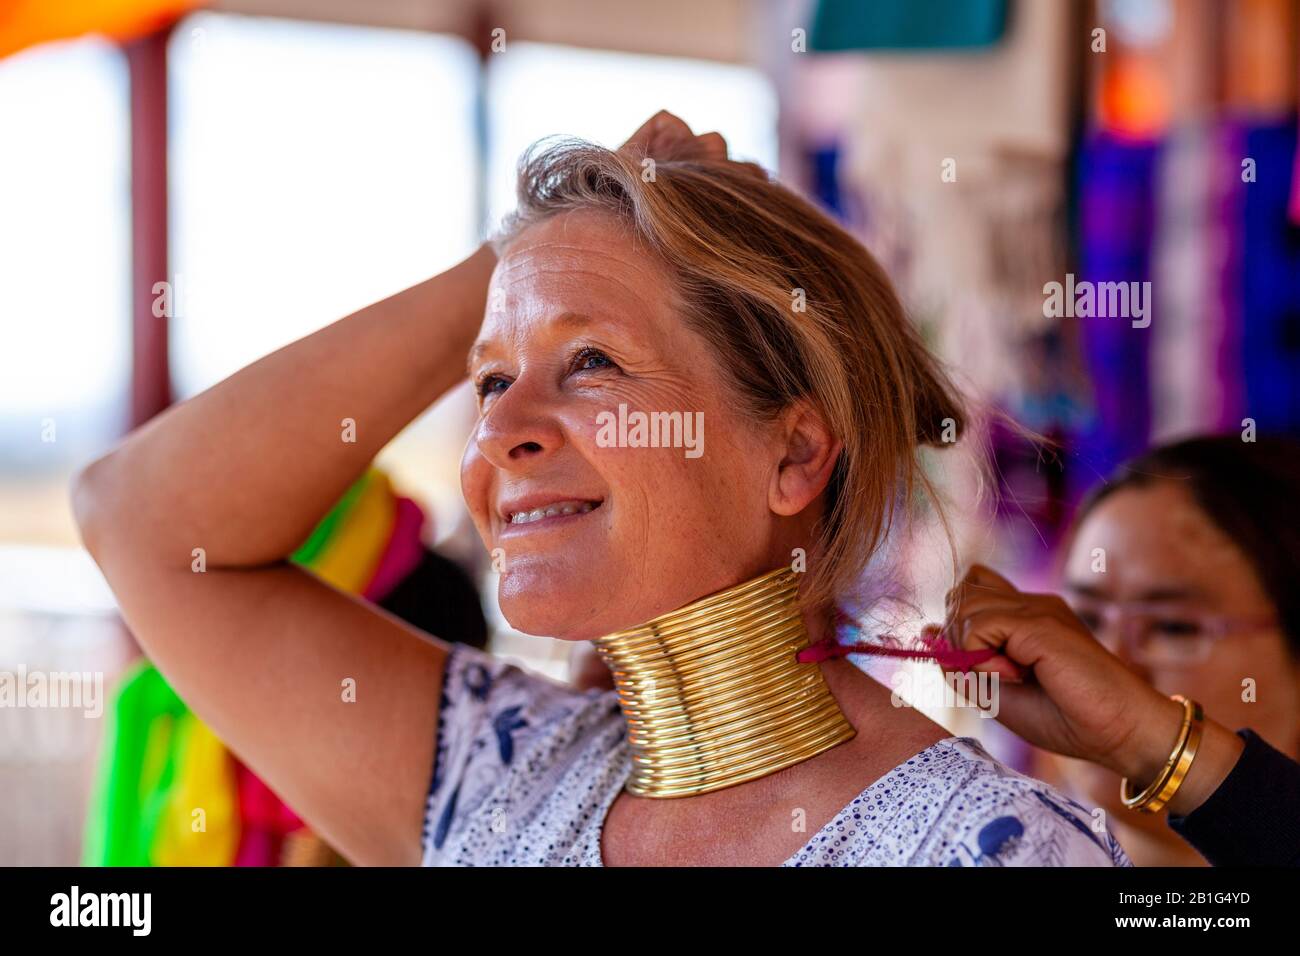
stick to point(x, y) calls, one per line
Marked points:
point(29, 22)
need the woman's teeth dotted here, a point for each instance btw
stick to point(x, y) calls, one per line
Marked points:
point(563, 508)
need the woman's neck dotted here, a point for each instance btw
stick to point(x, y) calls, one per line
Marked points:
point(712, 693)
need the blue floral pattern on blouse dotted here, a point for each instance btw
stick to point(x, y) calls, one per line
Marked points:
point(526, 769)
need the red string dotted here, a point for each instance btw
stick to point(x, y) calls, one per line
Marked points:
point(936, 650)
point(949, 659)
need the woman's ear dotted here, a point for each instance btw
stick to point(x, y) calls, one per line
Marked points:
point(808, 455)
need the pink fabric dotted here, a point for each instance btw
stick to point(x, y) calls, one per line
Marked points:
point(265, 819)
point(257, 848)
point(402, 555)
point(1294, 211)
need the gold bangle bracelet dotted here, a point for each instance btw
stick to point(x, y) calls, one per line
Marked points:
point(1184, 763)
point(1161, 790)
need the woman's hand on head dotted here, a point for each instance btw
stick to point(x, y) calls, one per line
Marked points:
point(1059, 688)
point(666, 137)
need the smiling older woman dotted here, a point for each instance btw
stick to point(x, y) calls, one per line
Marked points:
point(659, 279)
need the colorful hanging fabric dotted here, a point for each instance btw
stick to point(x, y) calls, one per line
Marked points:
point(1270, 289)
point(136, 769)
point(266, 821)
point(160, 763)
point(347, 560)
point(324, 530)
point(907, 24)
point(1294, 211)
point(1227, 237)
point(1117, 190)
point(199, 823)
point(403, 553)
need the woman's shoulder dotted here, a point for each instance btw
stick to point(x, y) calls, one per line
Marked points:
point(488, 696)
point(505, 737)
point(993, 815)
point(475, 677)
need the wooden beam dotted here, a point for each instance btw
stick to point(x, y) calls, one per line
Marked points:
point(150, 374)
point(720, 30)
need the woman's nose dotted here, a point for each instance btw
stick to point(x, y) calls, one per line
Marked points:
point(519, 426)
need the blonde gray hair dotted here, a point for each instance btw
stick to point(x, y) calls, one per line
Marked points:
point(740, 246)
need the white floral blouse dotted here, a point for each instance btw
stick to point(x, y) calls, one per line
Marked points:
point(526, 770)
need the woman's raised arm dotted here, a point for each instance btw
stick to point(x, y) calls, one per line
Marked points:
point(260, 649)
point(246, 469)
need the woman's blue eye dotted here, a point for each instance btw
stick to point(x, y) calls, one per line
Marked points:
point(584, 360)
point(591, 359)
point(488, 384)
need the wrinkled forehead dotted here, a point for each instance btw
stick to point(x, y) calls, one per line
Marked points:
point(578, 262)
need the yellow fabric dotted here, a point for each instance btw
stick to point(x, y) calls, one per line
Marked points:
point(157, 744)
point(205, 779)
point(25, 23)
point(183, 766)
point(356, 546)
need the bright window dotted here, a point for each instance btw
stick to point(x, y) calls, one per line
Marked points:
point(65, 273)
point(315, 168)
point(537, 90)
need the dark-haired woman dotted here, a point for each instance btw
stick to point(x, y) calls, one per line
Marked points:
point(1186, 565)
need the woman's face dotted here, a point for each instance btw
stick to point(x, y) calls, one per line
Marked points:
point(1175, 574)
point(592, 528)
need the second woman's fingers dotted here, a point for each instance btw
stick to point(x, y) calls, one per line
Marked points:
point(977, 580)
point(1026, 635)
point(985, 576)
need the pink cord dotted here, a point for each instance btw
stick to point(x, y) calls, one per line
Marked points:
point(936, 649)
point(949, 659)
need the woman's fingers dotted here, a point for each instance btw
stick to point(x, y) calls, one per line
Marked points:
point(978, 581)
point(1024, 633)
point(986, 611)
point(666, 136)
point(660, 125)
point(711, 146)
point(982, 591)
point(985, 576)
point(1062, 691)
point(660, 133)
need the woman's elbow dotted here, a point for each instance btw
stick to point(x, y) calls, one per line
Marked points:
point(92, 502)
point(106, 506)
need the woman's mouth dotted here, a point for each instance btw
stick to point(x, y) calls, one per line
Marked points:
point(556, 509)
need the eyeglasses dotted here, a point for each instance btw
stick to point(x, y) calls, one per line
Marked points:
point(1162, 635)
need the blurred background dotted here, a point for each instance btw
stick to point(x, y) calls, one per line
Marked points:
point(185, 186)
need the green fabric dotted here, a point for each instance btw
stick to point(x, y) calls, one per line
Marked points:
point(320, 536)
point(143, 736)
point(907, 24)
point(145, 733)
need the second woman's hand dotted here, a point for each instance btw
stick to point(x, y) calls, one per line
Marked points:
point(1061, 690)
